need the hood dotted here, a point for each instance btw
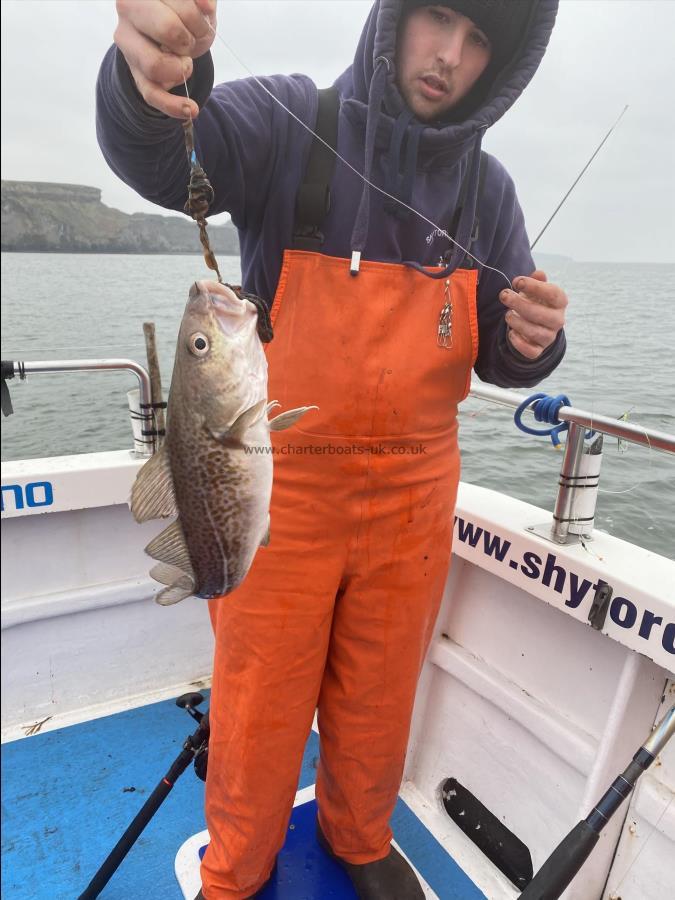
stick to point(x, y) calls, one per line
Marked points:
point(378, 42)
point(371, 101)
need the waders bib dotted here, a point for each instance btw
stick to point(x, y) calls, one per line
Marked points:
point(337, 612)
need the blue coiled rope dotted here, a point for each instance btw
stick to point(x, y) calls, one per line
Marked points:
point(545, 409)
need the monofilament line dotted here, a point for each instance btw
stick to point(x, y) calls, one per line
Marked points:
point(578, 178)
point(345, 162)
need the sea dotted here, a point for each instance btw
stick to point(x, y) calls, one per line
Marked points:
point(620, 360)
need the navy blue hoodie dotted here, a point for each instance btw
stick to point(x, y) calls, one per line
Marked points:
point(255, 155)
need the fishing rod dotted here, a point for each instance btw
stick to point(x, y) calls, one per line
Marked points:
point(570, 855)
point(195, 748)
point(578, 178)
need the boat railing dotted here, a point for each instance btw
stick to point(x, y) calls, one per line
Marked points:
point(574, 511)
point(142, 412)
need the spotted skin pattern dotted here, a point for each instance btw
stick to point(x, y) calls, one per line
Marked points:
point(222, 495)
point(222, 492)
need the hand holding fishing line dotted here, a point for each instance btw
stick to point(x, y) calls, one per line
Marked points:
point(159, 39)
point(536, 313)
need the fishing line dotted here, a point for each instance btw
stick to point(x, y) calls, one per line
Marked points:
point(578, 178)
point(643, 480)
point(441, 231)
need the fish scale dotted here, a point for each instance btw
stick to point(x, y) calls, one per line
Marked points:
point(205, 474)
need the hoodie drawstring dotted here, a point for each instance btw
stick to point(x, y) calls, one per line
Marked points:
point(375, 97)
point(466, 219)
point(410, 167)
point(392, 162)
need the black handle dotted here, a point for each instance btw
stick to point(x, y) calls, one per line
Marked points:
point(193, 745)
point(562, 865)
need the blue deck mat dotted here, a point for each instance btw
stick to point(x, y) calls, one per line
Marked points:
point(67, 798)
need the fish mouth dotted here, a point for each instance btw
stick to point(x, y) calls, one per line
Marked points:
point(208, 296)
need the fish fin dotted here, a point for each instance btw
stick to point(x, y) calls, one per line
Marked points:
point(183, 588)
point(266, 537)
point(152, 494)
point(170, 547)
point(271, 405)
point(233, 435)
point(166, 573)
point(285, 420)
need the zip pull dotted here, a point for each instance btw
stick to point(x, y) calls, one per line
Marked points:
point(444, 336)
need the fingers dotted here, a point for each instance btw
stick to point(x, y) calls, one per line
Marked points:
point(536, 336)
point(156, 65)
point(536, 313)
point(169, 104)
point(164, 22)
point(531, 351)
point(540, 291)
point(155, 72)
point(195, 23)
point(159, 40)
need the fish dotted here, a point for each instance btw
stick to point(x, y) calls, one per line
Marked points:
point(214, 470)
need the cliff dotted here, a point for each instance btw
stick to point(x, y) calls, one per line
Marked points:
point(70, 218)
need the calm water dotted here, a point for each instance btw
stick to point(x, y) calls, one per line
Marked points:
point(620, 358)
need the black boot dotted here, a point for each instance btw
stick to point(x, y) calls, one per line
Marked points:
point(391, 878)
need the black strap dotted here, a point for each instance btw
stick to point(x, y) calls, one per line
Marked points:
point(7, 373)
point(468, 263)
point(313, 199)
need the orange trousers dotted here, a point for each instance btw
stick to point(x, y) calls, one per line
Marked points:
point(337, 612)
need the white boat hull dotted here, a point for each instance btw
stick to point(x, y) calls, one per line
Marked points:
point(528, 706)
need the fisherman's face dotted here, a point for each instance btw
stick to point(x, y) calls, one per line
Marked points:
point(440, 56)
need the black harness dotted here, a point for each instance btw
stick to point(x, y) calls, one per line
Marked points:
point(312, 203)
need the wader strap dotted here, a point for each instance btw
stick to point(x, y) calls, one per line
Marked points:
point(467, 262)
point(313, 200)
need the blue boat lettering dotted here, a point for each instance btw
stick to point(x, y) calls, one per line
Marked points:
point(571, 586)
point(35, 493)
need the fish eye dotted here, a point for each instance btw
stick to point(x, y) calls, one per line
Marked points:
point(198, 344)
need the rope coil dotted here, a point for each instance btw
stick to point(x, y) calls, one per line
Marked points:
point(545, 409)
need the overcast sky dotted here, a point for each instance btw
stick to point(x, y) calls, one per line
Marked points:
point(603, 54)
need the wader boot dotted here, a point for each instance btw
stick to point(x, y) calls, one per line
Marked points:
point(200, 895)
point(391, 878)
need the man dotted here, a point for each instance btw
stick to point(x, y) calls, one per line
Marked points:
point(378, 321)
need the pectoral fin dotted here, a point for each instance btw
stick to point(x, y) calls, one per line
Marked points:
point(285, 420)
point(233, 435)
point(152, 495)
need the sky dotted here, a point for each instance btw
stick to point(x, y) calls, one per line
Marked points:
point(603, 55)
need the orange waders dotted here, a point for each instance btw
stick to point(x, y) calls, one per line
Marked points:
point(338, 610)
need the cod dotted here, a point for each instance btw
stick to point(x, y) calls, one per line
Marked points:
point(214, 471)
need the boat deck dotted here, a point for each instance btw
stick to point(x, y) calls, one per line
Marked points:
point(69, 794)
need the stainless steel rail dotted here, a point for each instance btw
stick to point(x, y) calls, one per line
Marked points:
point(649, 437)
point(53, 366)
point(568, 524)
